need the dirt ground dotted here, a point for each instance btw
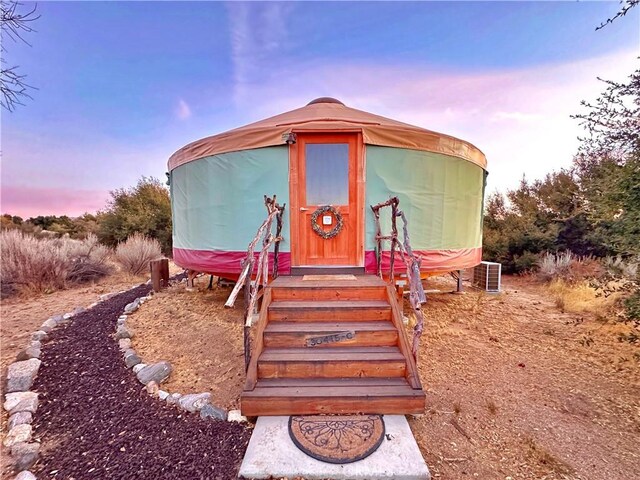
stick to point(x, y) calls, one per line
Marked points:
point(199, 337)
point(515, 388)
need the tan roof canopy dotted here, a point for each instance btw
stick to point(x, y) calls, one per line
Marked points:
point(328, 114)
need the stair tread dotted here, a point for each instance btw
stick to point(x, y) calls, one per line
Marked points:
point(361, 281)
point(336, 391)
point(330, 382)
point(328, 304)
point(341, 354)
point(330, 326)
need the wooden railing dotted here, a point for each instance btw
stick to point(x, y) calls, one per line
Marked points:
point(274, 212)
point(417, 297)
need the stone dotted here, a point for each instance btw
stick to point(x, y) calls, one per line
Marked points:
point(25, 455)
point(158, 372)
point(21, 402)
point(46, 327)
point(27, 353)
point(120, 321)
point(174, 398)
point(236, 416)
point(211, 411)
point(39, 335)
point(132, 360)
point(20, 418)
point(94, 304)
point(20, 375)
point(132, 307)
point(138, 367)
point(35, 344)
point(162, 395)
point(107, 296)
point(26, 475)
point(122, 332)
point(57, 319)
point(78, 310)
point(193, 402)
point(68, 316)
point(19, 433)
point(124, 343)
point(272, 453)
point(152, 388)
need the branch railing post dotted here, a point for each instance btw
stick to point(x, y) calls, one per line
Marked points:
point(274, 211)
point(417, 296)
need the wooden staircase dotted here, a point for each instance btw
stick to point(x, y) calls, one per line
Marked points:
point(369, 370)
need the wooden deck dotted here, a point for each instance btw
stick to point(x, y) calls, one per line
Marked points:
point(369, 369)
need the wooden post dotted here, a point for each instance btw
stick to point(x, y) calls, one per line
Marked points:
point(191, 276)
point(159, 274)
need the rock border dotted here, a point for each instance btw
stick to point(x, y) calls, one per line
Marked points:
point(21, 403)
point(153, 374)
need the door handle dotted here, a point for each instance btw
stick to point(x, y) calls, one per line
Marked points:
point(304, 209)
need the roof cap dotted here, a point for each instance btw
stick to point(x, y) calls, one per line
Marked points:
point(325, 100)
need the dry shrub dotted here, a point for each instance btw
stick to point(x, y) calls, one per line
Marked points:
point(135, 253)
point(569, 267)
point(620, 267)
point(46, 264)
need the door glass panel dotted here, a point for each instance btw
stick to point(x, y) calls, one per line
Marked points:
point(327, 172)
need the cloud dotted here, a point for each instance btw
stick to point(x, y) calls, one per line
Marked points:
point(28, 201)
point(183, 110)
point(258, 42)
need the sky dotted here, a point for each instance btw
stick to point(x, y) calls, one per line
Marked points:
point(122, 85)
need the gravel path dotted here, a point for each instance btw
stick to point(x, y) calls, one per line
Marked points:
point(96, 421)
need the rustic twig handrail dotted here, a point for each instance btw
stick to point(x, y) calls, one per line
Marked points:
point(417, 296)
point(274, 211)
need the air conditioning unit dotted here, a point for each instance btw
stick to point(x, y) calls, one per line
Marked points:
point(487, 276)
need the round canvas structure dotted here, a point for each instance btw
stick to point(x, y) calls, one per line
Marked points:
point(217, 187)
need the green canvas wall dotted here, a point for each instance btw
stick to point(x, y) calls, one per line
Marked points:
point(441, 196)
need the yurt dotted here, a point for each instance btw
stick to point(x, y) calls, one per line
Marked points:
point(326, 157)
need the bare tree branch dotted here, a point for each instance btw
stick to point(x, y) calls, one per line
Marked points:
point(14, 24)
point(626, 6)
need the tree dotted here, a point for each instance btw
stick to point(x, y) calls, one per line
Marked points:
point(608, 165)
point(145, 208)
point(626, 5)
point(611, 123)
point(14, 24)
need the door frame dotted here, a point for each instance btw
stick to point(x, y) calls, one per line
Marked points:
point(359, 193)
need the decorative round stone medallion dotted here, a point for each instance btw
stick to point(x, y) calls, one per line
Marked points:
point(337, 438)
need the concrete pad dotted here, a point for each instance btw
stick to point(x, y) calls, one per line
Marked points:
point(272, 453)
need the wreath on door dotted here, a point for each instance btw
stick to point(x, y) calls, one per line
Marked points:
point(318, 229)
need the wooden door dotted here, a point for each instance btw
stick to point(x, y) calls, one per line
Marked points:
point(327, 170)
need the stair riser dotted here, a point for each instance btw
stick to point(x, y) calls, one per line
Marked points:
point(332, 369)
point(319, 294)
point(362, 339)
point(306, 406)
point(324, 315)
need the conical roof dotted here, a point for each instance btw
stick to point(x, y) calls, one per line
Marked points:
point(328, 115)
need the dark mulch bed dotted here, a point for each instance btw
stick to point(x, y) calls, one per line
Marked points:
point(95, 421)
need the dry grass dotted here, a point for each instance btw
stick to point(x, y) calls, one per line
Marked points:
point(579, 297)
point(136, 252)
point(491, 406)
point(545, 459)
point(47, 264)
